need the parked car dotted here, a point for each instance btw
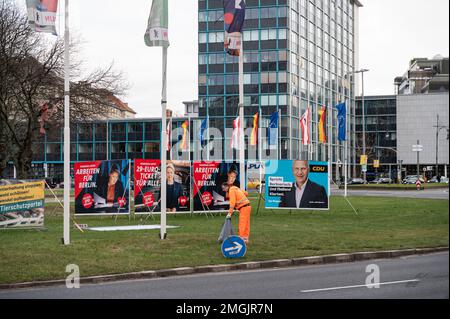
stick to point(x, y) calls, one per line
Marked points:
point(385, 180)
point(356, 181)
point(51, 183)
point(434, 179)
point(72, 185)
point(412, 179)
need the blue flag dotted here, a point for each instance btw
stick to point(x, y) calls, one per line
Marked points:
point(342, 121)
point(272, 134)
point(234, 17)
point(202, 130)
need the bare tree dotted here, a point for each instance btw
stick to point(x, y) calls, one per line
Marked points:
point(32, 88)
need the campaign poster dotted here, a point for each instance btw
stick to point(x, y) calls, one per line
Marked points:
point(208, 180)
point(147, 186)
point(42, 15)
point(255, 176)
point(102, 187)
point(21, 203)
point(297, 184)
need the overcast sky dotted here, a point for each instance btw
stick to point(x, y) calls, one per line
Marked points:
point(391, 33)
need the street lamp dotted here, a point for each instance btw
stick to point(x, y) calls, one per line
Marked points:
point(438, 129)
point(362, 71)
point(400, 162)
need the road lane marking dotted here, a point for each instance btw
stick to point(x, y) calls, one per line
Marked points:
point(361, 286)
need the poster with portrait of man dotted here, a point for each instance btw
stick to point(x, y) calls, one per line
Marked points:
point(297, 184)
point(102, 187)
point(208, 180)
point(147, 186)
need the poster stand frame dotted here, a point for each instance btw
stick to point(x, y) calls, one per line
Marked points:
point(204, 210)
point(347, 200)
point(62, 206)
point(123, 194)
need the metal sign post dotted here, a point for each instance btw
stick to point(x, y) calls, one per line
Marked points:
point(417, 148)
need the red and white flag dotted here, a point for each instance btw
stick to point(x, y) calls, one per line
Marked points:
point(306, 130)
point(169, 135)
point(235, 137)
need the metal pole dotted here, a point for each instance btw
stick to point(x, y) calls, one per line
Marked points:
point(364, 123)
point(345, 152)
point(418, 170)
point(330, 134)
point(163, 148)
point(241, 117)
point(67, 182)
point(437, 146)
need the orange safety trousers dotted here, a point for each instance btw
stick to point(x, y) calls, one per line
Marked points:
point(244, 223)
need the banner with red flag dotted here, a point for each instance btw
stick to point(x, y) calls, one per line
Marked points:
point(306, 130)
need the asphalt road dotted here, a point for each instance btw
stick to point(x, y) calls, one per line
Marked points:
point(407, 277)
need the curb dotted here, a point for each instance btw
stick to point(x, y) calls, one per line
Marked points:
point(278, 263)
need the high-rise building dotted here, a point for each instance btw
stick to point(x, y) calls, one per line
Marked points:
point(297, 54)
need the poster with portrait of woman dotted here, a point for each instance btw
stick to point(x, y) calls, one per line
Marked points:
point(207, 185)
point(147, 186)
point(102, 187)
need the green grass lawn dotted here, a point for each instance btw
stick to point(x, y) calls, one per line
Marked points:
point(381, 223)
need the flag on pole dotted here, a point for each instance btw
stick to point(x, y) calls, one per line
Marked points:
point(272, 133)
point(202, 131)
point(157, 34)
point(235, 137)
point(306, 131)
point(42, 15)
point(184, 141)
point(322, 127)
point(234, 17)
point(169, 134)
point(342, 121)
point(254, 135)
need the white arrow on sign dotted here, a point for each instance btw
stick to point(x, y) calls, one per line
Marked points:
point(238, 247)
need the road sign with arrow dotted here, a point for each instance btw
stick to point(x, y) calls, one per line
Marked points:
point(234, 247)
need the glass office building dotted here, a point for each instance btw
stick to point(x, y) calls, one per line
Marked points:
point(103, 140)
point(380, 133)
point(297, 54)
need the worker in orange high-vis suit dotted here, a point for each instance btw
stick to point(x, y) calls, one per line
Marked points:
point(239, 201)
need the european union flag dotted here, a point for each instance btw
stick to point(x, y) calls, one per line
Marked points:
point(202, 130)
point(272, 133)
point(342, 121)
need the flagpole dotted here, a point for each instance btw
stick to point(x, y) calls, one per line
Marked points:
point(330, 135)
point(260, 152)
point(67, 182)
point(345, 151)
point(163, 148)
point(241, 116)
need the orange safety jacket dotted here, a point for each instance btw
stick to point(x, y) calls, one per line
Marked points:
point(238, 198)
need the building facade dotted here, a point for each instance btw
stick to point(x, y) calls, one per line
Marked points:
point(380, 134)
point(417, 114)
point(297, 54)
point(103, 140)
point(424, 119)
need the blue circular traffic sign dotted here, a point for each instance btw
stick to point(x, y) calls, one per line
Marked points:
point(234, 247)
